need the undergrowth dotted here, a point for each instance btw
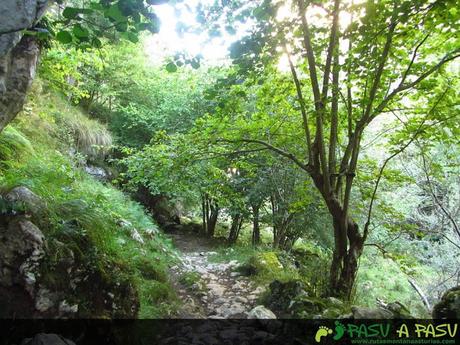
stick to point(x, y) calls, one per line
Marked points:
point(82, 213)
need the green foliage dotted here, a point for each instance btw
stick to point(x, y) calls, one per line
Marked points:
point(238, 253)
point(238, 136)
point(85, 215)
point(13, 145)
point(189, 278)
point(265, 264)
point(383, 278)
point(86, 25)
point(157, 300)
point(101, 81)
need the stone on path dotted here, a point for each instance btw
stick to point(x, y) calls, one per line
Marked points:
point(260, 312)
point(225, 294)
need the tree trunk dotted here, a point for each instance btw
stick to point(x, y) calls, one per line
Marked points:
point(204, 228)
point(347, 251)
point(237, 222)
point(280, 239)
point(212, 220)
point(255, 225)
point(210, 213)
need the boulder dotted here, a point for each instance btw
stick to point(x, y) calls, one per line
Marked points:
point(44, 278)
point(371, 313)
point(260, 312)
point(449, 305)
point(266, 262)
point(47, 339)
point(281, 294)
point(398, 310)
point(17, 15)
point(22, 248)
point(45, 300)
point(25, 196)
point(97, 172)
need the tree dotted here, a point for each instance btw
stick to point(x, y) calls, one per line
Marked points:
point(82, 24)
point(390, 49)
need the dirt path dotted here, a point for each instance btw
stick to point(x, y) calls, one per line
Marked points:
point(221, 292)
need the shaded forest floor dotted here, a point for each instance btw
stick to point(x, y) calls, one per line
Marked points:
point(208, 289)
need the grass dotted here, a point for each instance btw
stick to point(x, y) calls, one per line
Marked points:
point(189, 278)
point(262, 264)
point(13, 144)
point(89, 136)
point(84, 214)
point(382, 278)
point(67, 126)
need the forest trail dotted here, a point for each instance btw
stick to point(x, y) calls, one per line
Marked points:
point(220, 293)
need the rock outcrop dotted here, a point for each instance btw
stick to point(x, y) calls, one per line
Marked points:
point(44, 275)
point(18, 54)
point(449, 305)
point(23, 195)
point(22, 247)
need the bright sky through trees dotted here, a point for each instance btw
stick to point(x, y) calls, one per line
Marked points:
point(213, 50)
point(169, 41)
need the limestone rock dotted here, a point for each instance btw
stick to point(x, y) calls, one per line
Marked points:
point(97, 172)
point(136, 236)
point(25, 196)
point(21, 250)
point(18, 54)
point(66, 309)
point(45, 300)
point(371, 313)
point(260, 312)
point(283, 293)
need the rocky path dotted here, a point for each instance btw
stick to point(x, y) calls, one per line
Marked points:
point(221, 292)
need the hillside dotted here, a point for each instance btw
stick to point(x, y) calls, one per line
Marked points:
point(86, 233)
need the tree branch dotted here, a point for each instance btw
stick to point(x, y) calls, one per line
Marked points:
point(302, 104)
point(331, 50)
point(402, 87)
point(381, 66)
point(435, 198)
point(310, 54)
point(382, 168)
point(279, 151)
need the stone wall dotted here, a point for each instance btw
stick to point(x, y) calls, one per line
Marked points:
point(18, 54)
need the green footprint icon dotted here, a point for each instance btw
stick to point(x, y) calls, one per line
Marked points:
point(339, 331)
point(322, 331)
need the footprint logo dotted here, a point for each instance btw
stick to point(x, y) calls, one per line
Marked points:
point(339, 330)
point(322, 332)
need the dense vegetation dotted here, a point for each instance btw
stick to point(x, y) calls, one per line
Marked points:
point(324, 151)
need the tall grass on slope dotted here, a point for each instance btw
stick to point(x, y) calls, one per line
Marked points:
point(90, 136)
point(48, 115)
point(13, 145)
